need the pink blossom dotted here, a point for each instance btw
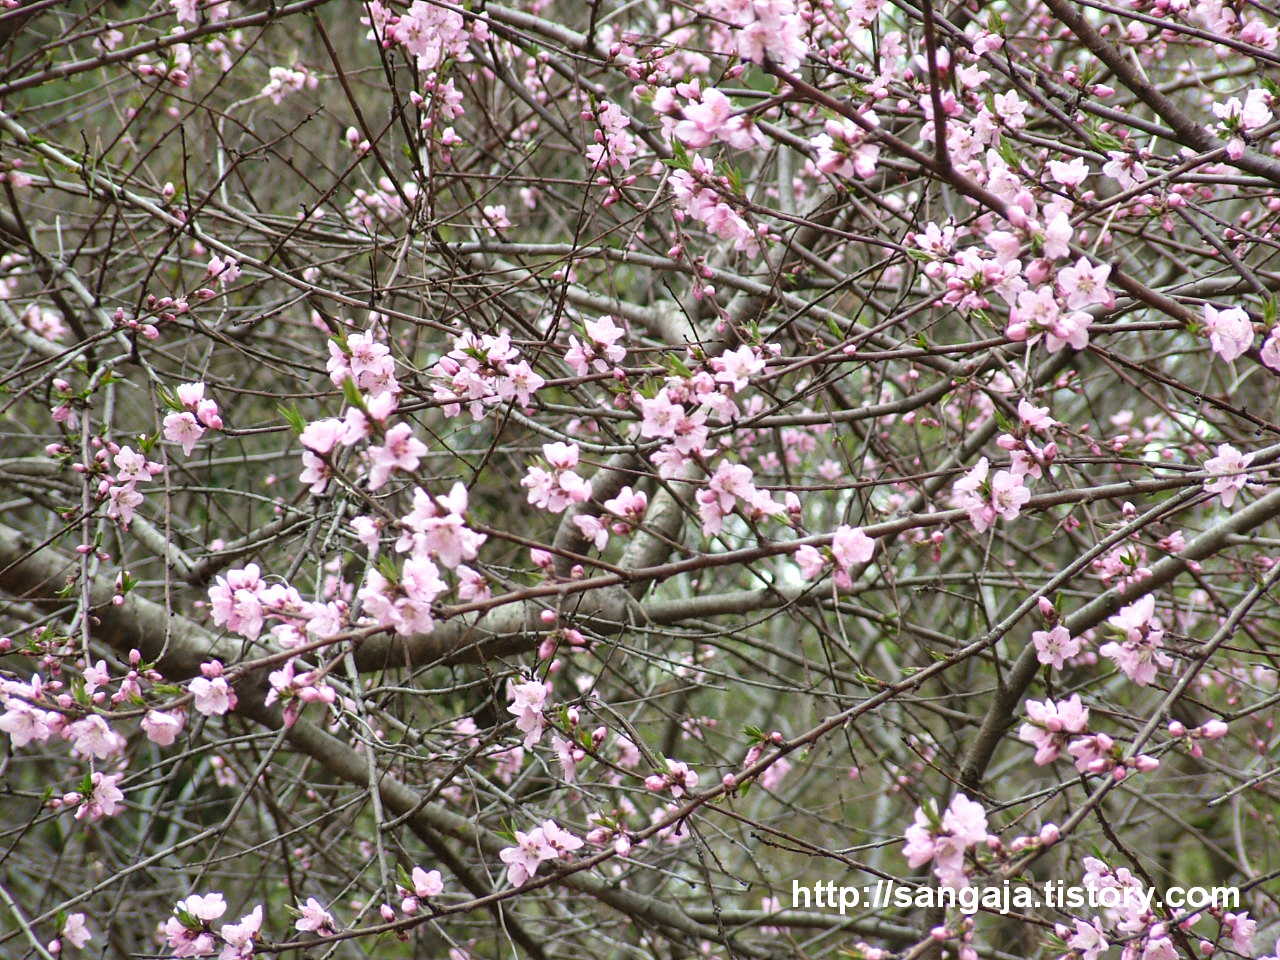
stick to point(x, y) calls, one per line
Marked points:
point(660, 415)
point(472, 585)
point(205, 908)
point(772, 778)
point(123, 500)
point(559, 839)
point(162, 727)
point(401, 451)
point(524, 859)
point(321, 436)
point(104, 798)
point(75, 932)
point(1125, 169)
point(224, 270)
point(1069, 173)
point(737, 366)
point(1055, 646)
point(1140, 653)
point(1271, 349)
point(850, 545)
point(190, 394)
point(1230, 331)
point(528, 700)
point(556, 489)
point(962, 826)
point(1071, 329)
point(213, 697)
point(1228, 468)
point(239, 938)
point(436, 526)
point(1089, 939)
point(1084, 284)
point(1213, 729)
point(405, 606)
point(426, 883)
point(313, 917)
point(207, 414)
point(615, 146)
point(772, 30)
point(1049, 725)
point(1036, 418)
point(23, 722)
point(132, 466)
point(234, 601)
point(1240, 929)
point(968, 492)
point(703, 120)
point(182, 428)
point(629, 507)
point(1008, 494)
point(592, 529)
point(600, 350)
point(810, 561)
point(1055, 239)
point(94, 738)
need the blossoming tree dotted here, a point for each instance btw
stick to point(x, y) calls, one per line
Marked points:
point(554, 479)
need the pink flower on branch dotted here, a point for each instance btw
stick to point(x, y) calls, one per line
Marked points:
point(1229, 476)
point(314, 918)
point(555, 489)
point(944, 840)
point(1230, 331)
point(546, 842)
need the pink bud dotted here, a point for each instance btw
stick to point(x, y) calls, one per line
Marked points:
point(547, 616)
point(388, 914)
point(1050, 834)
point(207, 413)
point(1176, 729)
point(730, 781)
point(1038, 271)
point(1213, 730)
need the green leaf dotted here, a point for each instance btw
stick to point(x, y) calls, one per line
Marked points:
point(291, 415)
point(1008, 153)
point(679, 157)
point(169, 400)
point(352, 394)
point(735, 181)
